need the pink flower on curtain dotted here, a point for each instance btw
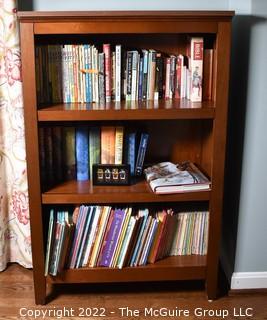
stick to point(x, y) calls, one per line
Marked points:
point(13, 67)
point(20, 206)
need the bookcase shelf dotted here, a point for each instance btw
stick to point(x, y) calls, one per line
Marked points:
point(171, 268)
point(84, 192)
point(166, 110)
point(179, 130)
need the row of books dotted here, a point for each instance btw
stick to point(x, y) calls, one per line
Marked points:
point(81, 73)
point(101, 236)
point(70, 152)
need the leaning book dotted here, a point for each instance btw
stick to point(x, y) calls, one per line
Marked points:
point(167, 177)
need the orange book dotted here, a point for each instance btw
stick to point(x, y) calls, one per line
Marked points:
point(107, 145)
point(162, 216)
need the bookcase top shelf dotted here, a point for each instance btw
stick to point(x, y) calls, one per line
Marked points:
point(171, 268)
point(34, 15)
point(84, 192)
point(176, 109)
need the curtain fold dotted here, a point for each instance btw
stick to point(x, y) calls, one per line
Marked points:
point(15, 240)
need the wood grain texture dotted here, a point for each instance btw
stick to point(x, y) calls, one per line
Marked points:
point(17, 292)
point(164, 110)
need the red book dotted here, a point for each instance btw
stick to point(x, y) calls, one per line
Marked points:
point(108, 78)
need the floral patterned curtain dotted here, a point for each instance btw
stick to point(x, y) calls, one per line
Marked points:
point(15, 241)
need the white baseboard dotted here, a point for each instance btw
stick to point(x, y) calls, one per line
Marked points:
point(249, 280)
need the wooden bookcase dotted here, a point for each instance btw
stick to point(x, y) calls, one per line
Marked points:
point(179, 130)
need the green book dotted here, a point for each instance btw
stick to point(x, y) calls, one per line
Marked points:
point(94, 147)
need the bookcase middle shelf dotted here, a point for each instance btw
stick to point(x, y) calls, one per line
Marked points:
point(79, 192)
point(165, 110)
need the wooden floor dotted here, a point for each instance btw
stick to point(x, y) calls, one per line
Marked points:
point(17, 300)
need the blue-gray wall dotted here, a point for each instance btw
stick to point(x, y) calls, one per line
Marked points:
point(251, 249)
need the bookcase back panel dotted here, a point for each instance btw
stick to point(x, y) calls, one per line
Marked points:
point(180, 141)
point(141, 27)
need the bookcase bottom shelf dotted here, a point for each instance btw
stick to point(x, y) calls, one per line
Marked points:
point(171, 268)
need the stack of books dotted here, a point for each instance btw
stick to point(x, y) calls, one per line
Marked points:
point(87, 73)
point(102, 236)
point(71, 152)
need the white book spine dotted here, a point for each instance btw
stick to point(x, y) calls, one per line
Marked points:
point(196, 60)
point(118, 73)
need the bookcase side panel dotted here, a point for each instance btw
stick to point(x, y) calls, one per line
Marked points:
point(219, 145)
point(32, 151)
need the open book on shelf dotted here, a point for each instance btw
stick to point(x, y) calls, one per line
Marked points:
point(167, 177)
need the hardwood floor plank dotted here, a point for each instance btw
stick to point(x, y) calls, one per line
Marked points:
point(17, 293)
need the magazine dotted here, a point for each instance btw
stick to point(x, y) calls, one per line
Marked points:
point(167, 177)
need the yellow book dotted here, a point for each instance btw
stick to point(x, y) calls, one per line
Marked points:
point(99, 236)
point(118, 145)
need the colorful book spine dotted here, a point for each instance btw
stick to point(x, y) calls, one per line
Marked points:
point(82, 153)
point(131, 151)
point(101, 78)
point(94, 147)
point(196, 67)
point(107, 145)
point(112, 238)
point(106, 50)
point(118, 145)
point(141, 154)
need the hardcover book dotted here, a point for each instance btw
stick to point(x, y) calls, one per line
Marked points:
point(167, 177)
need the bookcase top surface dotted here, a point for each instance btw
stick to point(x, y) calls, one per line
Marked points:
point(74, 15)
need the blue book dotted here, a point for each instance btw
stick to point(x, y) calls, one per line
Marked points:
point(141, 154)
point(130, 150)
point(82, 153)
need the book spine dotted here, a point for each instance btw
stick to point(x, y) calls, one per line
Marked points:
point(134, 75)
point(50, 238)
point(118, 73)
point(140, 81)
point(113, 75)
point(106, 50)
point(107, 145)
point(172, 76)
point(118, 145)
point(112, 237)
point(141, 154)
point(69, 152)
point(94, 147)
point(167, 78)
point(129, 76)
point(196, 45)
point(152, 75)
point(145, 74)
point(57, 152)
point(101, 78)
point(82, 153)
point(177, 93)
